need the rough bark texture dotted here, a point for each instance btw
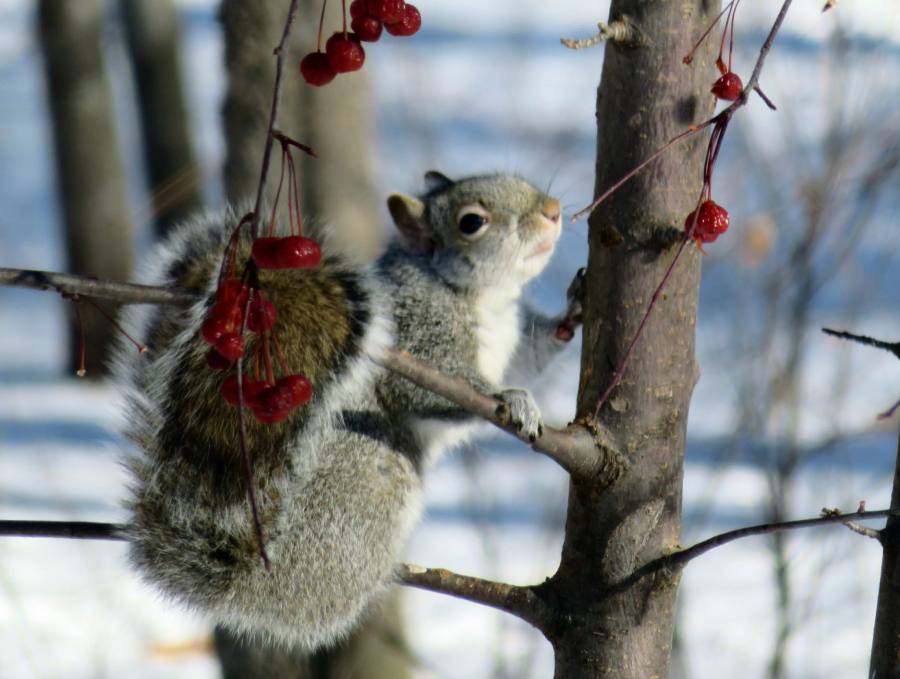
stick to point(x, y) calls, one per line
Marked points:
point(886, 642)
point(337, 120)
point(98, 229)
point(172, 170)
point(610, 625)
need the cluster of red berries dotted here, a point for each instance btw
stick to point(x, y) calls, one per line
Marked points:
point(344, 51)
point(712, 221)
point(270, 400)
point(270, 403)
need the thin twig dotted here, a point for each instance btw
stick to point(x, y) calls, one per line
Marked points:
point(893, 347)
point(617, 31)
point(69, 284)
point(273, 116)
point(71, 530)
point(685, 555)
point(863, 530)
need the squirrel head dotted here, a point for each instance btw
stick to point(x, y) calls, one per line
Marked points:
point(480, 232)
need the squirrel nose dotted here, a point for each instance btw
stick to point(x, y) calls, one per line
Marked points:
point(551, 209)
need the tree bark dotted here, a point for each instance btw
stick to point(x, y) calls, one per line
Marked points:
point(885, 660)
point(95, 208)
point(174, 175)
point(611, 624)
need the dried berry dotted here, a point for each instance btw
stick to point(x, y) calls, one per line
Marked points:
point(316, 69)
point(712, 221)
point(345, 53)
point(367, 27)
point(728, 87)
point(409, 24)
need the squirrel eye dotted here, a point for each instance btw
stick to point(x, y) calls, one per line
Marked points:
point(471, 223)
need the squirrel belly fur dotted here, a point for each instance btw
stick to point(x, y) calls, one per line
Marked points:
point(339, 482)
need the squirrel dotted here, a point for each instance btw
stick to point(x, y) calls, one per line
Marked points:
point(339, 482)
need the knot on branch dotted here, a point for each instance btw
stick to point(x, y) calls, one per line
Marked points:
point(621, 31)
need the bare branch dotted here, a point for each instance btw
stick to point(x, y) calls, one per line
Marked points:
point(124, 293)
point(682, 557)
point(863, 530)
point(72, 530)
point(577, 450)
point(893, 347)
point(519, 601)
point(573, 448)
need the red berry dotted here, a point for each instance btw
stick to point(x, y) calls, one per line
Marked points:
point(345, 54)
point(262, 315)
point(232, 292)
point(388, 11)
point(316, 70)
point(298, 387)
point(252, 390)
point(358, 8)
point(222, 319)
point(217, 361)
point(368, 28)
point(728, 87)
point(275, 399)
point(231, 346)
point(409, 24)
point(712, 221)
point(264, 252)
point(298, 252)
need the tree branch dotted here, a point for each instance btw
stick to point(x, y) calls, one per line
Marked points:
point(579, 451)
point(893, 347)
point(573, 448)
point(69, 284)
point(685, 555)
point(519, 601)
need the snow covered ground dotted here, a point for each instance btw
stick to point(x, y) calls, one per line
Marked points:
point(501, 95)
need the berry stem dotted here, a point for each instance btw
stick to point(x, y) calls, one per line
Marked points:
point(690, 55)
point(246, 461)
point(321, 26)
point(280, 53)
point(267, 357)
point(277, 195)
point(280, 354)
point(82, 370)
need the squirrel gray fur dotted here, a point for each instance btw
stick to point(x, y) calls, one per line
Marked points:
point(338, 483)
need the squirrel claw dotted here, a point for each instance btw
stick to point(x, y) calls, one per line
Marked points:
point(520, 410)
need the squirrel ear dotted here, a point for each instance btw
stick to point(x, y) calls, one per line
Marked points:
point(408, 214)
point(437, 181)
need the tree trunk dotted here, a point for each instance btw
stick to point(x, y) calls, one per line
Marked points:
point(886, 642)
point(611, 625)
point(338, 122)
point(172, 170)
point(91, 178)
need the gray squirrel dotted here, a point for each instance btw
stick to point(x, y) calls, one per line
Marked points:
point(339, 482)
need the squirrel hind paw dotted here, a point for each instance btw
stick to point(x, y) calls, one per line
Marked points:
point(521, 411)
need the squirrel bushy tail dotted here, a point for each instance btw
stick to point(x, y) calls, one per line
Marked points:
point(335, 505)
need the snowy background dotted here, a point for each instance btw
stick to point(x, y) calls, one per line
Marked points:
point(483, 87)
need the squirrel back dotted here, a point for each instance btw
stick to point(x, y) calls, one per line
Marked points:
point(337, 482)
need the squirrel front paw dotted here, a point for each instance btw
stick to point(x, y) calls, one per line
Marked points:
point(519, 409)
point(571, 319)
